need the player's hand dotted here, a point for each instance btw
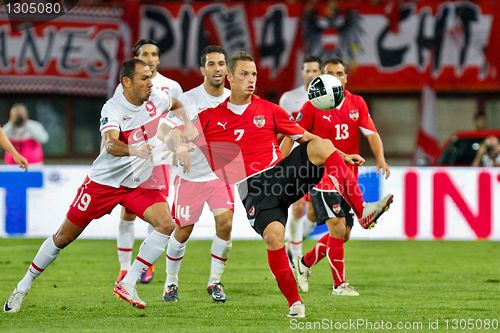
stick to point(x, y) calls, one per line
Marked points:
point(182, 157)
point(384, 169)
point(190, 133)
point(354, 159)
point(21, 161)
point(142, 151)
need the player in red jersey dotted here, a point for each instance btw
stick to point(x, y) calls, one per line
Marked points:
point(244, 129)
point(128, 124)
point(342, 126)
point(292, 102)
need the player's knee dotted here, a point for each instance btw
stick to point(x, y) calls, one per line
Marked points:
point(182, 234)
point(62, 240)
point(298, 211)
point(223, 229)
point(274, 236)
point(164, 225)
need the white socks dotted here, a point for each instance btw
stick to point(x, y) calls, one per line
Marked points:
point(307, 226)
point(295, 236)
point(220, 252)
point(125, 243)
point(46, 254)
point(175, 253)
point(152, 247)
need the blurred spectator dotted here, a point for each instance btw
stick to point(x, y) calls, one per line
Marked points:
point(26, 135)
point(488, 154)
point(480, 121)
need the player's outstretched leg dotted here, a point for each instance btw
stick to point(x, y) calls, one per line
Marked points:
point(322, 152)
point(47, 253)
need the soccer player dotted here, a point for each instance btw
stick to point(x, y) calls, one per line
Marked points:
point(271, 183)
point(342, 126)
point(148, 51)
point(128, 124)
point(201, 185)
point(292, 102)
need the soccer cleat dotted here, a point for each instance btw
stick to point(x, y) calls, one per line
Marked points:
point(14, 302)
point(148, 275)
point(344, 290)
point(374, 210)
point(297, 310)
point(216, 290)
point(120, 277)
point(129, 294)
point(303, 273)
point(170, 294)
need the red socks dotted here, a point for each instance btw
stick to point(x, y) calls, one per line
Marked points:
point(348, 185)
point(317, 253)
point(335, 255)
point(280, 267)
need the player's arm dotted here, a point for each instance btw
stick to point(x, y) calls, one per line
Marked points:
point(377, 148)
point(173, 137)
point(116, 147)
point(189, 132)
point(7, 146)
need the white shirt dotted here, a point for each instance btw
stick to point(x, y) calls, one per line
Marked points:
point(160, 82)
point(293, 100)
point(137, 125)
point(197, 100)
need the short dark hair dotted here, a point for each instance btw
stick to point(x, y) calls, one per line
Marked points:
point(335, 61)
point(311, 58)
point(141, 43)
point(211, 49)
point(128, 68)
point(237, 56)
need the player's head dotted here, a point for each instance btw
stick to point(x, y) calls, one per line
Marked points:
point(135, 77)
point(242, 74)
point(311, 67)
point(213, 65)
point(337, 68)
point(148, 51)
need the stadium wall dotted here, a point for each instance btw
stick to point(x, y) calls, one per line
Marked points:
point(430, 203)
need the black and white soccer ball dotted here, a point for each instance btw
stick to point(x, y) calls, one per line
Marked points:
point(325, 92)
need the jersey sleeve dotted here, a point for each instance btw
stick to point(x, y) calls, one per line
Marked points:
point(366, 124)
point(176, 90)
point(286, 126)
point(305, 118)
point(109, 118)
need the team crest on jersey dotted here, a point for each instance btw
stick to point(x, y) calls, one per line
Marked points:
point(354, 114)
point(336, 208)
point(251, 211)
point(259, 121)
point(299, 117)
point(104, 121)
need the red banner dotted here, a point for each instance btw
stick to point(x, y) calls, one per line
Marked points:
point(72, 54)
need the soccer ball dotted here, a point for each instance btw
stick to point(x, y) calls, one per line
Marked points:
point(325, 92)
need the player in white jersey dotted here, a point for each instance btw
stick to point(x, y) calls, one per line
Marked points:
point(129, 123)
point(201, 185)
point(300, 225)
point(148, 51)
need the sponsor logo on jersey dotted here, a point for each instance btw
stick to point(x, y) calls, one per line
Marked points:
point(222, 125)
point(328, 118)
point(354, 114)
point(259, 121)
point(104, 121)
point(336, 208)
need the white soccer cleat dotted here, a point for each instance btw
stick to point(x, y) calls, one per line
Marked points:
point(374, 210)
point(129, 294)
point(297, 310)
point(14, 302)
point(303, 273)
point(344, 290)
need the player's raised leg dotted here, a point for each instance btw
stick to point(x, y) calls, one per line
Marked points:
point(322, 152)
point(158, 215)
point(125, 242)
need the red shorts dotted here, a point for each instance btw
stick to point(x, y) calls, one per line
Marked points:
point(190, 197)
point(159, 179)
point(94, 200)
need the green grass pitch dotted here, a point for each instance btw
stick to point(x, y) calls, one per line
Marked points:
point(407, 282)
